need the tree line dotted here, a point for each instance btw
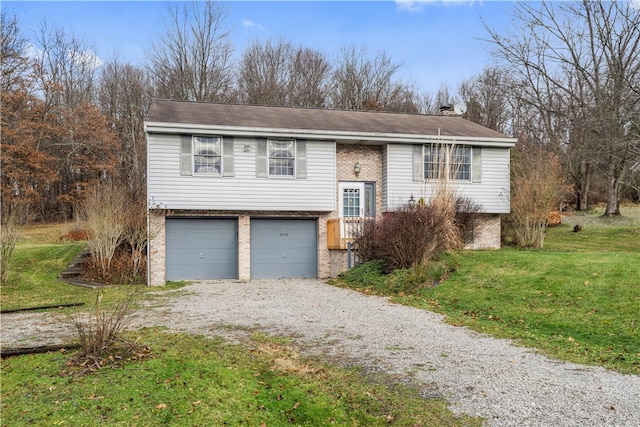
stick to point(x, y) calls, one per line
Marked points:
point(566, 84)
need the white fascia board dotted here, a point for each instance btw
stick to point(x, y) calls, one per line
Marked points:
point(162, 127)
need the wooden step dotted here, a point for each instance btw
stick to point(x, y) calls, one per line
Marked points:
point(72, 272)
point(78, 262)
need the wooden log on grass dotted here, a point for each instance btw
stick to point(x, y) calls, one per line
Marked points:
point(42, 307)
point(18, 351)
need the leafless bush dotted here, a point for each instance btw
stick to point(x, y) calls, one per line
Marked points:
point(537, 186)
point(105, 214)
point(121, 269)
point(140, 229)
point(466, 212)
point(412, 235)
point(12, 223)
point(99, 331)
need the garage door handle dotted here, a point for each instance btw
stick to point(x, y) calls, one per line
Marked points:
point(284, 255)
point(201, 256)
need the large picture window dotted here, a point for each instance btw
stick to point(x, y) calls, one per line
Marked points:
point(282, 157)
point(207, 155)
point(441, 161)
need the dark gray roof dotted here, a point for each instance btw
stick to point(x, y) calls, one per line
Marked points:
point(258, 116)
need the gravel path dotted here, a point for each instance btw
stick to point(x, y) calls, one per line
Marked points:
point(508, 385)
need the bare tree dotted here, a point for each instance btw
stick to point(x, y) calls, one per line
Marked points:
point(537, 185)
point(264, 73)
point(104, 211)
point(192, 59)
point(487, 97)
point(362, 82)
point(65, 67)
point(309, 78)
point(124, 95)
point(13, 60)
point(281, 74)
point(580, 62)
point(431, 103)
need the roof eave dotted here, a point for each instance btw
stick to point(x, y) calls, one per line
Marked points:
point(372, 137)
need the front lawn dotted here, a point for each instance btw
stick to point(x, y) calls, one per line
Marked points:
point(40, 255)
point(578, 299)
point(191, 380)
point(186, 380)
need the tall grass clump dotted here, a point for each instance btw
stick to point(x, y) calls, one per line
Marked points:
point(105, 214)
point(12, 221)
point(414, 234)
point(117, 232)
point(537, 186)
point(99, 330)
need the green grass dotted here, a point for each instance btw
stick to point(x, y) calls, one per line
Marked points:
point(578, 299)
point(33, 277)
point(39, 257)
point(187, 380)
point(192, 380)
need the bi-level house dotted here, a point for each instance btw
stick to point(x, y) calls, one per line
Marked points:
point(244, 191)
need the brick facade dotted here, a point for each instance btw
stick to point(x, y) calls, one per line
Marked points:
point(370, 159)
point(157, 254)
point(157, 245)
point(486, 233)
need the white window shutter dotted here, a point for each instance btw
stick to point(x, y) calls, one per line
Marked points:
point(301, 159)
point(227, 156)
point(418, 163)
point(185, 155)
point(476, 166)
point(261, 158)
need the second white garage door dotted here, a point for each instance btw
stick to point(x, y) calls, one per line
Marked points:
point(284, 248)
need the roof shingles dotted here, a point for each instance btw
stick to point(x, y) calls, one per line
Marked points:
point(258, 116)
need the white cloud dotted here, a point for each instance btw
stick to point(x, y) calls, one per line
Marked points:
point(32, 52)
point(419, 5)
point(246, 23)
point(84, 58)
point(87, 57)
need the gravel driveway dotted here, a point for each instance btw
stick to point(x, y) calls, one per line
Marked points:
point(508, 385)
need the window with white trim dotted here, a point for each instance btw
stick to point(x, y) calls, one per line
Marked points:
point(207, 155)
point(442, 160)
point(282, 157)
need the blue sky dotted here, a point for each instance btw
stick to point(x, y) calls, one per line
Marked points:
point(435, 41)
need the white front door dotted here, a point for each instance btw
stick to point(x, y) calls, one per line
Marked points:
point(352, 203)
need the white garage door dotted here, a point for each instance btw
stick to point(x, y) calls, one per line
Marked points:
point(284, 248)
point(201, 248)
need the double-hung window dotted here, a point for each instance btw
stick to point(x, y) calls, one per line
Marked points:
point(442, 161)
point(460, 163)
point(207, 155)
point(282, 157)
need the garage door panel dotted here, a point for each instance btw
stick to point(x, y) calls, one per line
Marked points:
point(283, 248)
point(200, 249)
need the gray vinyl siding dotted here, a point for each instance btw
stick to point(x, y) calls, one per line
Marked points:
point(168, 189)
point(491, 194)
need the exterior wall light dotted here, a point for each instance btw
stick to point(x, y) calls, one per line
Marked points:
point(356, 168)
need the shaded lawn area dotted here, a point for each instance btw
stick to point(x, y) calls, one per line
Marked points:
point(33, 277)
point(191, 380)
point(183, 379)
point(578, 299)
